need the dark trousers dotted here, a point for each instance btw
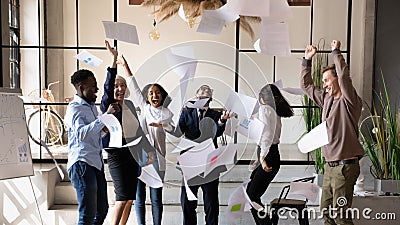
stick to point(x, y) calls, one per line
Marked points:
point(211, 203)
point(260, 181)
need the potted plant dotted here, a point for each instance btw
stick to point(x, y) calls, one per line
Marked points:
point(380, 140)
point(312, 114)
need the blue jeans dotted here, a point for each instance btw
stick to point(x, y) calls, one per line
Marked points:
point(91, 190)
point(155, 198)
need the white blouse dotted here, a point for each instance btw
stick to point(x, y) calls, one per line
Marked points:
point(272, 129)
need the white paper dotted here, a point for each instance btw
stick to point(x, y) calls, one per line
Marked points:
point(293, 91)
point(255, 205)
point(290, 90)
point(279, 11)
point(231, 126)
point(199, 104)
point(212, 21)
point(224, 155)
point(251, 128)
point(184, 67)
point(239, 202)
point(114, 128)
point(88, 58)
point(279, 84)
point(256, 46)
point(236, 205)
point(182, 14)
point(189, 193)
point(121, 31)
point(274, 39)
point(260, 8)
point(306, 189)
point(150, 177)
point(241, 104)
point(184, 144)
point(132, 143)
point(184, 51)
point(193, 162)
point(316, 138)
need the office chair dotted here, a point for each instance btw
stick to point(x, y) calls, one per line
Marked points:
point(284, 203)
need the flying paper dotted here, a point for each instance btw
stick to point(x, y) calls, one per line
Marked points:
point(114, 127)
point(306, 189)
point(199, 104)
point(241, 104)
point(251, 128)
point(121, 31)
point(88, 58)
point(314, 139)
point(274, 39)
point(224, 155)
point(150, 177)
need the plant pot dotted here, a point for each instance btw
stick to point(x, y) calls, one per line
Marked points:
point(392, 186)
point(319, 179)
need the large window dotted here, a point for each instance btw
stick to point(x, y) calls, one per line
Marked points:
point(49, 33)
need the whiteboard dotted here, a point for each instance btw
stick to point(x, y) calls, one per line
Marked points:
point(15, 153)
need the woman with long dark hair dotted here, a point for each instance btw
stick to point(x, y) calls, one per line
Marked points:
point(273, 106)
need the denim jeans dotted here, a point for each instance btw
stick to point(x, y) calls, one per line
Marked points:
point(91, 190)
point(156, 204)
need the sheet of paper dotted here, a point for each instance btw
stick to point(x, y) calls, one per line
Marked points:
point(184, 51)
point(184, 144)
point(251, 128)
point(184, 67)
point(290, 90)
point(256, 46)
point(189, 193)
point(231, 126)
point(306, 189)
point(279, 11)
point(293, 91)
point(241, 104)
point(121, 31)
point(255, 205)
point(134, 142)
point(236, 205)
point(314, 139)
point(260, 8)
point(212, 21)
point(193, 163)
point(88, 58)
point(278, 84)
point(114, 128)
point(224, 155)
point(274, 39)
point(150, 177)
point(182, 14)
point(199, 104)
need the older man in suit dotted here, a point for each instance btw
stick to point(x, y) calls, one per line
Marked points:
point(193, 123)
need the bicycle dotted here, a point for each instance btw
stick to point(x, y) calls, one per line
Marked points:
point(45, 119)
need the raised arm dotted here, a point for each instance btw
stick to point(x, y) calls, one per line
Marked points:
point(306, 82)
point(344, 79)
point(108, 96)
point(132, 83)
